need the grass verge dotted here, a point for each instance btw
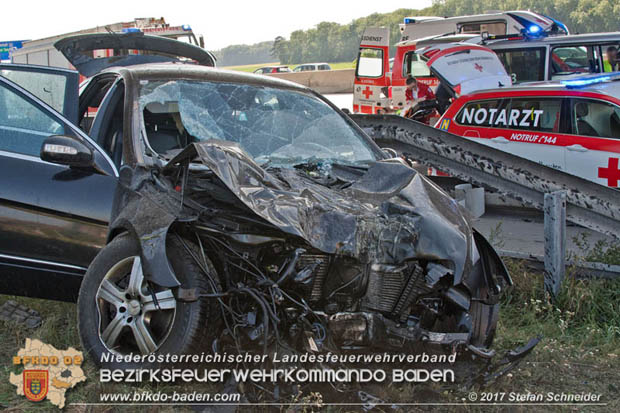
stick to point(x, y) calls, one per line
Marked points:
point(580, 351)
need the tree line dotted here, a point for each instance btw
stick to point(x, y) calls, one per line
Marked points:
point(243, 54)
point(333, 42)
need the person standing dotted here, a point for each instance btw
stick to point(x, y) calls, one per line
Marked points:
point(611, 63)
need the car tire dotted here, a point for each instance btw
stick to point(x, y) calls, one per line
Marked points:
point(484, 319)
point(193, 325)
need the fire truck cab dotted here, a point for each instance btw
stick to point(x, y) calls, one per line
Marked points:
point(377, 89)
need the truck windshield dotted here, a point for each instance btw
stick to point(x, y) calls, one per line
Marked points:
point(279, 126)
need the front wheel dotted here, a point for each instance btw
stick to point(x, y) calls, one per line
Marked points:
point(120, 312)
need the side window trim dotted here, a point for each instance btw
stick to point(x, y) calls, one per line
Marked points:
point(102, 118)
point(53, 113)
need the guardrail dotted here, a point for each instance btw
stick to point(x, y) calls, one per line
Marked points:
point(583, 202)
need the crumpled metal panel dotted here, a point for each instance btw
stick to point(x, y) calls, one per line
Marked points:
point(390, 214)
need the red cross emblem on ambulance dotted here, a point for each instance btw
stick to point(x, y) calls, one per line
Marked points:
point(367, 92)
point(611, 172)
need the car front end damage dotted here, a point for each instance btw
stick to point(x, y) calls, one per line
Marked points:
point(320, 257)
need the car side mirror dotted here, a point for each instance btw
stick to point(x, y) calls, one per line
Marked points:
point(66, 150)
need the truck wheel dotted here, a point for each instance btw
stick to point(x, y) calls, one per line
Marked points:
point(119, 312)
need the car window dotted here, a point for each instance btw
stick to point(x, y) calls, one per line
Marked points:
point(91, 98)
point(324, 67)
point(523, 65)
point(23, 125)
point(273, 125)
point(595, 118)
point(536, 114)
point(370, 63)
point(566, 60)
point(480, 113)
point(49, 87)
point(611, 57)
point(539, 114)
point(413, 65)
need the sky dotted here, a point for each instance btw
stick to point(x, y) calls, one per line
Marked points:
point(221, 22)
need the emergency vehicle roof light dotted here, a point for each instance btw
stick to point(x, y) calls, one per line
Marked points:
point(408, 20)
point(534, 29)
point(131, 30)
point(530, 29)
point(186, 27)
point(558, 23)
point(590, 80)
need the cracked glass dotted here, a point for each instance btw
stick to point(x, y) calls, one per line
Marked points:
point(277, 126)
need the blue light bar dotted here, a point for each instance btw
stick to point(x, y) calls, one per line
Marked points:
point(131, 30)
point(559, 24)
point(533, 29)
point(186, 27)
point(408, 20)
point(590, 80)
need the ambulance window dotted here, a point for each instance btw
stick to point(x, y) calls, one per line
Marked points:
point(524, 65)
point(479, 27)
point(480, 113)
point(370, 63)
point(595, 118)
point(535, 114)
point(414, 66)
point(566, 60)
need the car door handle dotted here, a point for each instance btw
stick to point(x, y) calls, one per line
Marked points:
point(500, 139)
point(577, 148)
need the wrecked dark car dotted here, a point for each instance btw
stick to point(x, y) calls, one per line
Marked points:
point(253, 212)
point(250, 214)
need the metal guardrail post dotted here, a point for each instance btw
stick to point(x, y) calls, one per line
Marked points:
point(555, 240)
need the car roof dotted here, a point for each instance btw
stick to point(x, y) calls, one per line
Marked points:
point(197, 72)
point(308, 64)
point(609, 88)
point(560, 39)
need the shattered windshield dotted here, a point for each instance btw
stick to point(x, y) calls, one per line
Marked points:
point(276, 126)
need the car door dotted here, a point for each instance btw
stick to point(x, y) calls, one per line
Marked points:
point(523, 126)
point(594, 149)
point(53, 218)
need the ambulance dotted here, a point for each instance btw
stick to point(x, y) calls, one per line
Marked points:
point(378, 89)
point(572, 125)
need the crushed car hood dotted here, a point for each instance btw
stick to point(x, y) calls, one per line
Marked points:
point(152, 49)
point(388, 215)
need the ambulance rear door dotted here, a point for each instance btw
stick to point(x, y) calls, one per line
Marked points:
point(372, 72)
point(465, 68)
